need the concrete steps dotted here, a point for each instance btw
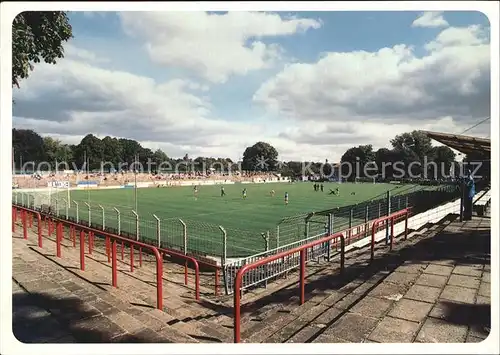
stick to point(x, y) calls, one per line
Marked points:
point(330, 297)
point(352, 307)
point(139, 290)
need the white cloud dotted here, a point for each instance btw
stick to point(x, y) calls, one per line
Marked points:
point(213, 46)
point(430, 19)
point(391, 84)
point(316, 111)
point(459, 37)
point(76, 98)
point(72, 52)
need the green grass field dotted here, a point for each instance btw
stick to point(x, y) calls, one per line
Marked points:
point(243, 219)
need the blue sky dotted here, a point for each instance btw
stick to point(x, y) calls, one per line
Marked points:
point(310, 80)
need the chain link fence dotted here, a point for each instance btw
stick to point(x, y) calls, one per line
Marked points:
point(233, 248)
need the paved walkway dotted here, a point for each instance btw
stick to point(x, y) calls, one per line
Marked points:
point(433, 288)
point(53, 303)
point(441, 293)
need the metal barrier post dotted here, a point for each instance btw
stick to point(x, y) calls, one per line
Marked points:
point(22, 198)
point(25, 225)
point(90, 214)
point(40, 227)
point(67, 207)
point(158, 231)
point(388, 214)
point(379, 210)
point(118, 219)
point(103, 217)
point(82, 250)
point(57, 206)
point(307, 224)
point(351, 215)
point(406, 202)
point(392, 234)
point(114, 268)
point(406, 224)
point(277, 236)
point(58, 238)
point(302, 275)
point(77, 215)
point(14, 216)
point(223, 258)
point(367, 212)
point(329, 232)
point(131, 246)
point(342, 253)
point(266, 248)
point(184, 238)
point(136, 225)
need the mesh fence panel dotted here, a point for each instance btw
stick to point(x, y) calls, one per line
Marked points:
point(148, 231)
point(204, 238)
point(172, 234)
point(242, 243)
point(289, 230)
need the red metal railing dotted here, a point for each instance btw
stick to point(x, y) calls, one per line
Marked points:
point(302, 250)
point(196, 268)
point(91, 231)
point(60, 223)
point(388, 219)
point(197, 263)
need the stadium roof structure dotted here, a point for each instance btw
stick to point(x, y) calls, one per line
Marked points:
point(464, 144)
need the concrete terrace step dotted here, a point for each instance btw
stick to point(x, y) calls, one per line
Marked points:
point(73, 310)
point(402, 296)
point(172, 271)
point(137, 290)
point(319, 268)
point(403, 303)
point(328, 300)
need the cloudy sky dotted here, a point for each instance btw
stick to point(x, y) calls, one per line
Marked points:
point(312, 84)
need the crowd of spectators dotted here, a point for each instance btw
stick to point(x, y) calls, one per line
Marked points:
point(40, 180)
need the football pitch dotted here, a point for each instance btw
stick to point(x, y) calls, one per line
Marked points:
point(245, 220)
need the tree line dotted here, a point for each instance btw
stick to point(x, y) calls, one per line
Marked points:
point(91, 151)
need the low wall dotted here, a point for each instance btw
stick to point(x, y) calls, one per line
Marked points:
point(414, 222)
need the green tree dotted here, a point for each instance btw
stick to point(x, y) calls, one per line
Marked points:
point(92, 149)
point(444, 158)
point(260, 157)
point(131, 149)
point(37, 36)
point(28, 146)
point(355, 160)
point(112, 152)
point(160, 160)
point(413, 147)
point(51, 148)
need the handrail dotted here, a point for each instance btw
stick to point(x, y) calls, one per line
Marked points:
point(390, 217)
point(302, 250)
point(24, 222)
point(188, 258)
point(196, 267)
point(115, 238)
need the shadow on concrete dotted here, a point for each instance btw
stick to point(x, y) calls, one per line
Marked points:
point(463, 247)
point(477, 316)
point(39, 318)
